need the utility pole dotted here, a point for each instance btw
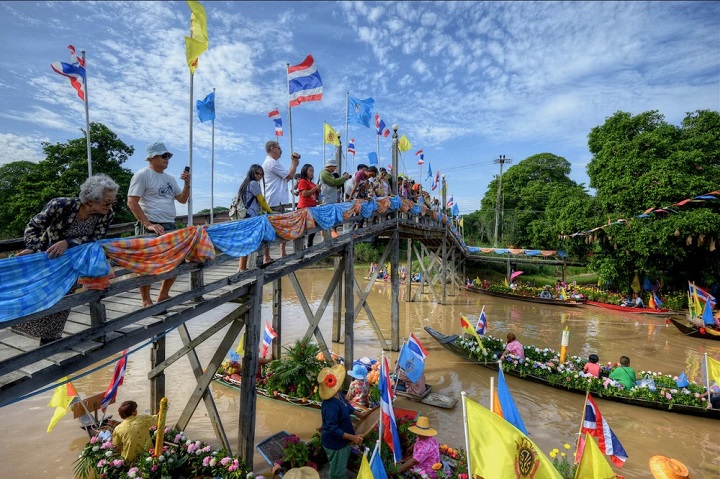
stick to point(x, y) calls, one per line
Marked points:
point(502, 160)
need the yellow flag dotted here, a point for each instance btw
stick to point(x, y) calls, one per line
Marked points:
point(331, 136)
point(61, 399)
point(506, 282)
point(499, 449)
point(470, 329)
point(461, 222)
point(241, 347)
point(365, 472)
point(593, 464)
point(635, 285)
point(404, 144)
point(197, 42)
point(713, 367)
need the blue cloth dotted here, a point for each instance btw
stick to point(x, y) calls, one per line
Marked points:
point(415, 210)
point(335, 414)
point(33, 282)
point(240, 238)
point(395, 203)
point(368, 208)
point(206, 108)
point(327, 216)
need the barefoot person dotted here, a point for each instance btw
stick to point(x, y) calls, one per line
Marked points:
point(151, 198)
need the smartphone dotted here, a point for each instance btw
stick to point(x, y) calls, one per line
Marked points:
point(187, 169)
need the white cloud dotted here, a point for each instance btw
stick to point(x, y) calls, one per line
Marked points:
point(21, 148)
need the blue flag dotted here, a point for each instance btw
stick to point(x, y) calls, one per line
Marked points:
point(360, 111)
point(206, 108)
point(456, 210)
point(411, 364)
point(682, 381)
point(372, 156)
point(707, 315)
point(377, 467)
point(429, 171)
point(509, 410)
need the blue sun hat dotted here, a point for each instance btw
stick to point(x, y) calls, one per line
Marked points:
point(358, 372)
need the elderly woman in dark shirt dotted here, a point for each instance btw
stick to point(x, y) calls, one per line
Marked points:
point(62, 224)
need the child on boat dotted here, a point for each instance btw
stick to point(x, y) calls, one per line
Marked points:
point(132, 436)
point(624, 374)
point(358, 390)
point(592, 366)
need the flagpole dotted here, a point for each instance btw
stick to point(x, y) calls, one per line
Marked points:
point(287, 72)
point(190, 151)
point(380, 422)
point(492, 393)
point(463, 394)
point(396, 361)
point(707, 380)
point(347, 127)
point(582, 423)
point(87, 118)
point(212, 163)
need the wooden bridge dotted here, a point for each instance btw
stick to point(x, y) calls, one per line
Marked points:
point(104, 323)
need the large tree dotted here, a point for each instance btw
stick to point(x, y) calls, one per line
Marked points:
point(60, 174)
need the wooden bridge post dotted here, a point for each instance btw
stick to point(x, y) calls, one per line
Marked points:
point(157, 382)
point(277, 318)
point(395, 286)
point(349, 273)
point(337, 306)
point(444, 268)
point(197, 281)
point(408, 276)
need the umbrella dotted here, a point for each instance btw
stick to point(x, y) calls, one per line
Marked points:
point(515, 275)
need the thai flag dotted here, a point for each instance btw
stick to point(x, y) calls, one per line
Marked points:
point(268, 335)
point(275, 117)
point(451, 201)
point(351, 146)
point(416, 347)
point(436, 180)
point(390, 431)
point(75, 71)
point(115, 382)
point(703, 295)
point(380, 126)
point(481, 325)
point(304, 82)
point(596, 425)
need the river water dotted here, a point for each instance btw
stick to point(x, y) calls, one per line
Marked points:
point(551, 416)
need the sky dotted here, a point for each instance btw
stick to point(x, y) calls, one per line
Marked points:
point(464, 81)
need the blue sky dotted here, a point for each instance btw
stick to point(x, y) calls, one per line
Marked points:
point(465, 81)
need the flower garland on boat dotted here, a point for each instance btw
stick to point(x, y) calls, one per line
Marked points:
point(545, 364)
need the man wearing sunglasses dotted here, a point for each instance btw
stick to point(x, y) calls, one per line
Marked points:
point(151, 198)
point(276, 180)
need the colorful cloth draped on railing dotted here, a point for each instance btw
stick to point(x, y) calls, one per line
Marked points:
point(395, 202)
point(353, 209)
point(34, 282)
point(416, 210)
point(526, 252)
point(368, 208)
point(292, 225)
point(327, 216)
point(162, 253)
point(406, 205)
point(383, 204)
point(240, 238)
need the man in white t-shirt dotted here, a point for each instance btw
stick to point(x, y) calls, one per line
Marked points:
point(276, 178)
point(151, 198)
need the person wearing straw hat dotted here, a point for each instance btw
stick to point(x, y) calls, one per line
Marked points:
point(358, 391)
point(663, 467)
point(337, 431)
point(426, 450)
point(305, 472)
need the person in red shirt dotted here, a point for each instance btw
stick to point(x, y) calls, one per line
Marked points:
point(308, 192)
point(592, 366)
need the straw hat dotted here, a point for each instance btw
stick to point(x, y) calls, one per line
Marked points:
point(665, 468)
point(422, 427)
point(358, 371)
point(305, 472)
point(330, 381)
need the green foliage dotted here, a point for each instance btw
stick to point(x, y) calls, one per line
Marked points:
point(296, 373)
point(295, 452)
point(368, 252)
point(562, 464)
point(25, 188)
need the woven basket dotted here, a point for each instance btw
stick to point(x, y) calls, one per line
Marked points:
point(663, 467)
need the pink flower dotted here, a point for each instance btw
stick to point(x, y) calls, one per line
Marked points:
point(101, 463)
point(567, 378)
point(668, 395)
point(94, 439)
point(118, 463)
point(225, 460)
point(192, 448)
point(206, 461)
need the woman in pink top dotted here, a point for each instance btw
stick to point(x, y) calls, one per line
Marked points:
point(592, 366)
point(513, 347)
point(308, 192)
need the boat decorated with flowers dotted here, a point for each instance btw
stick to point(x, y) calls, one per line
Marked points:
point(542, 365)
point(627, 309)
point(522, 294)
point(693, 330)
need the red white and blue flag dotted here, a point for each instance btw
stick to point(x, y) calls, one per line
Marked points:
point(481, 325)
point(703, 295)
point(412, 358)
point(268, 335)
point(275, 117)
point(115, 382)
point(421, 155)
point(596, 425)
point(351, 146)
point(304, 82)
point(390, 433)
point(451, 201)
point(75, 71)
point(380, 127)
point(436, 181)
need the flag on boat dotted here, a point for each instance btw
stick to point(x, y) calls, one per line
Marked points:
point(360, 111)
point(380, 127)
point(197, 42)
point(651, 302)
point(658, 303)
point(591, 463)
point(707, 315)
point(240, 350)
point(376, 465)
point(404, 144)
point(115, 382)
point(390, 436)
point(436, 181)
point(331, 135)
point(268, 335)
point(713, 369)
point(412, 358)
point(429, 171)
point(504, 405)
point(206, 108)
point(497, 447)
point(468, 328)
point(647, 285)
point(75, 71)
point(481, 325)
point(365, 472)
point(702, 295)
point(595, 424)
point(304, 82)
point(351, 146)
point(60, 400)
point(635, 285)
point(275, 117)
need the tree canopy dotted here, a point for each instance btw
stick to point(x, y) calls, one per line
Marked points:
point(26, 187)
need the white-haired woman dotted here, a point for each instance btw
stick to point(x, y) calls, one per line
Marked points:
point(62, 224)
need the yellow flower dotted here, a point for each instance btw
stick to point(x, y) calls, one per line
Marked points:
point(437, 466)
point(567, 446)
point(562, 454)
point(553, 454)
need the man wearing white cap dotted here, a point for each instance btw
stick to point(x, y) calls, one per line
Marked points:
point(151, 198)
point(329, 187)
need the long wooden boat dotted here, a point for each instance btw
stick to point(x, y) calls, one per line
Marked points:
point(627, 309)
point(430, 398)
point(689, 329)
point(528, 299)
point(235, 384)
point(450, 343)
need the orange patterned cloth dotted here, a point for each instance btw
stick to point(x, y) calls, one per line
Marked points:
point(292, 225)
point(383, 204)
point(353, 210)
point(406, 205)
point(163, 253)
